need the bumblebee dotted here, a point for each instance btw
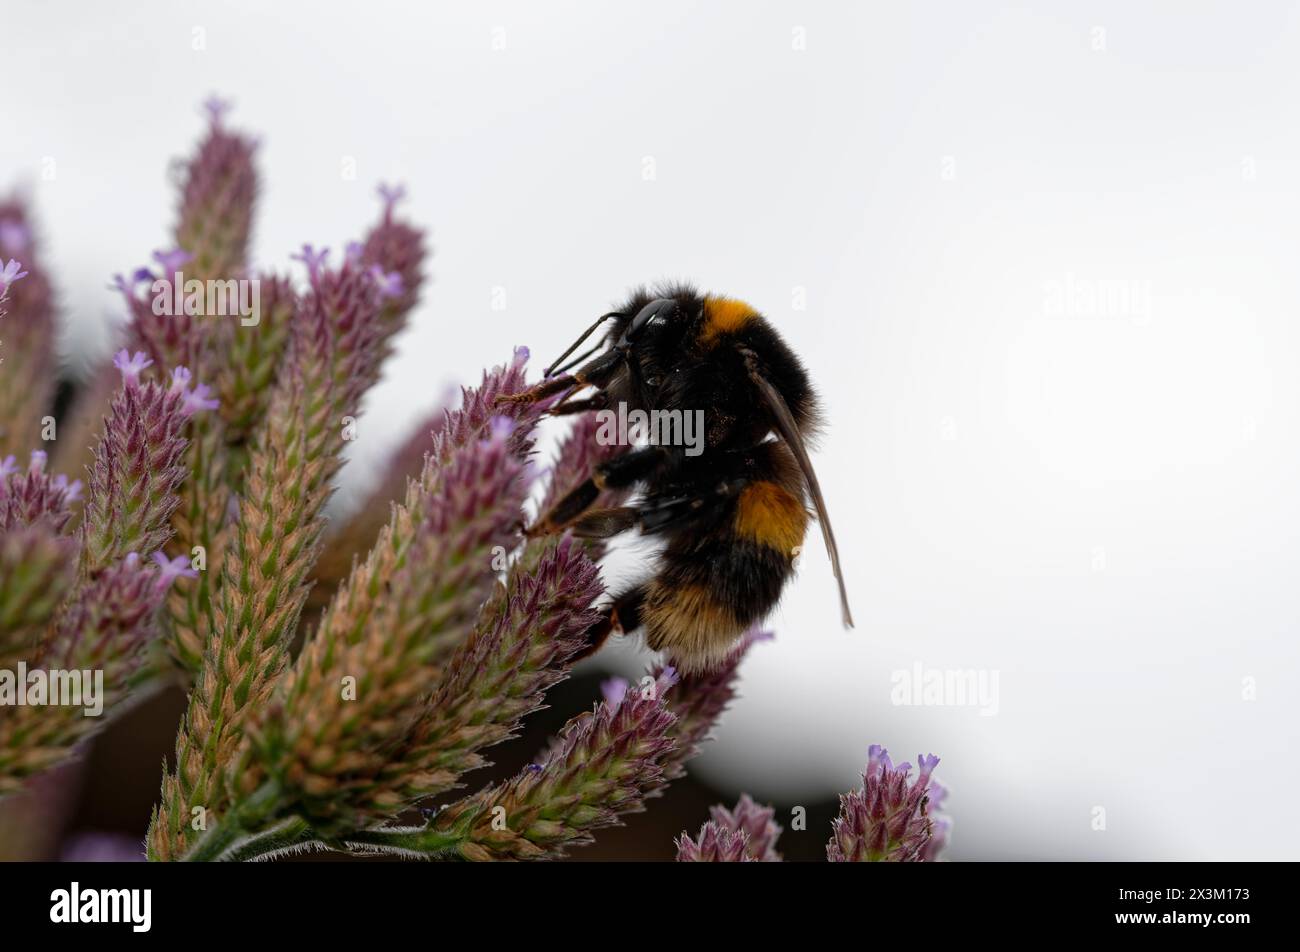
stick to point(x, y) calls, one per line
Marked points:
point(733, 517)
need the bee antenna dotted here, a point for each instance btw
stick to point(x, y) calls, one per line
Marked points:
point(574, 362)
point(578, 343)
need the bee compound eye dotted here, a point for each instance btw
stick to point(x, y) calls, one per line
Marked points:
point(656, 312)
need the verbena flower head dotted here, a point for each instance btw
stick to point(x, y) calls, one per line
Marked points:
point(603, 765)
point(217, 199)
point(715, 844)
point(35, 495)
point(889, 818)
point(28, 334)
point(396, 247)
point(757, 823)
point(139, 463)
point(746, 834)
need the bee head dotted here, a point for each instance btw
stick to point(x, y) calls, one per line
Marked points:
point(657, 313)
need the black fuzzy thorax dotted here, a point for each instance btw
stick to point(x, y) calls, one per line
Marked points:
point(675, 367)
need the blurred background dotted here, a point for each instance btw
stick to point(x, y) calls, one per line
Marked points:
point(1035, 258)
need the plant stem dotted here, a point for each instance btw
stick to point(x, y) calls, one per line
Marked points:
point(240, 822)
point(279, 838)
point(410, 841)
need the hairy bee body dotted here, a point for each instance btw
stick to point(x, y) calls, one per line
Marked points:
point(733, 516)
point(726, 570)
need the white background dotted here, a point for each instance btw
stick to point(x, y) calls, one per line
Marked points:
point(1101, 507)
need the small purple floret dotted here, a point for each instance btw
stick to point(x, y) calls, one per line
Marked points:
point(192, 401)
point(389, 284)
point(131, 366)
point(171, 569)
point(614, 690)
point(313, 259)
point(172, 261)
point(10, 273)
point(216, 108)
point(391, 196)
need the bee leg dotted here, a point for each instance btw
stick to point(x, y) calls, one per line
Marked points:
point(541, 391)
point(597, 373)
point(604, 523)
point(617, 473)
point(623, 615)
point(597, 402)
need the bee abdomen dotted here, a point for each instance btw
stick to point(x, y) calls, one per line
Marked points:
point(707, 594)
point(769, 515)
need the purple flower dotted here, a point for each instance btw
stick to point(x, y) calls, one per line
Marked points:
point(499, 428)
point(389, 283)
point(217, 199)
point(131, 366)
point(391, 196)
point(14, 236)
point(35, 495)
point(127, 286)
point(942, 825)
point(216, 108)
point(9, 274)
point(617, 691)
point(71, 490)
point(172, 261)
point(603, 765)
point(313, 259)
point(715, 844)
point(396, 247)
point(756, 823)
point(614, 690)
point(887, 820)
point(171, 569)
point(139, 465)
point(110, 620)
point(197, 400)
point(192, 401)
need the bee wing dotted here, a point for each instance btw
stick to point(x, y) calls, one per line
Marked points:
point(789, 431)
